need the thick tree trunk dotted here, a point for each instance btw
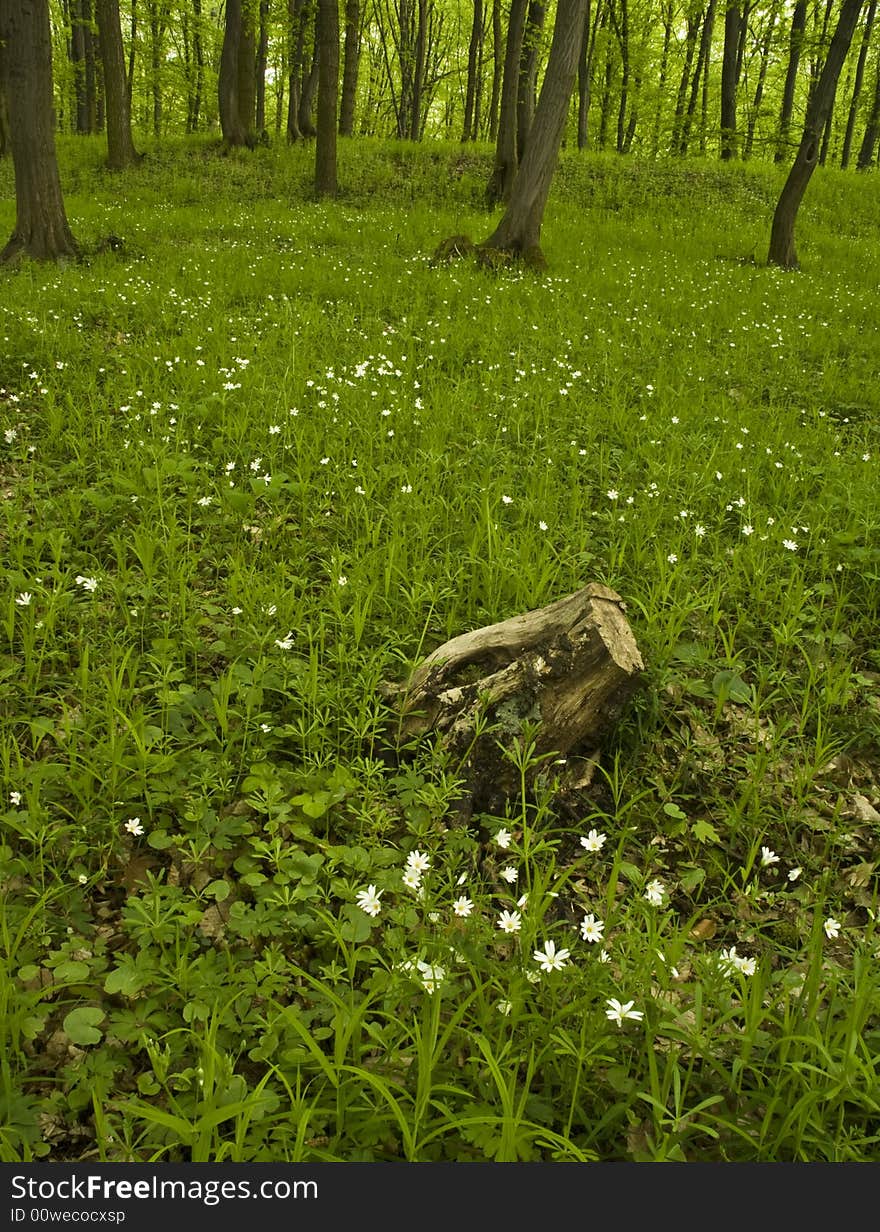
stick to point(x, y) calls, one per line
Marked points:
point(732, 19)
point(782, 248)
point(328, 86)
point(351, 64)
point(872, 131)
point(227, 80)
point(4, 112)
point(247, 69)
point(501, 180)
point(519, 231)
point(795, 43)
point(570, 668)
point(527, 86)
point(120, 147)
point(41, 227)
point(857, 85)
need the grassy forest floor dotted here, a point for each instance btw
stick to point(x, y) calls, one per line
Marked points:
point(264, 457)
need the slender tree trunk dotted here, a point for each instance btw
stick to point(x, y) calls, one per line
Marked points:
point(227, 80)
point(199, 53)
point(527, 85)
point(307, 92)
point(795, 43)
point(501, 181)
point(782, 248)
point(694, 21)
point(702, 63)
point(327, 34)
point(415, 127)
point(132, 47)
point(857, 85)
point(262, 62)
point(661, 85)
point(759, 88)
point(350, 67)
point(605, 100)
point(157, 34)
point(120, 147)
point(621, 29)
point(78, 35)
point(732, 20)
point(519, 231)
point(497, 68)
point(91, 80)
point(297, 18)
point(41, 227)
point(872, 130)
point(468, 132)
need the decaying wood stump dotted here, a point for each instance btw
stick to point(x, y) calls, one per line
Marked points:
point(569, 667)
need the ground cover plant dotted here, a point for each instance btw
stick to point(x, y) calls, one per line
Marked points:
point(260, 456)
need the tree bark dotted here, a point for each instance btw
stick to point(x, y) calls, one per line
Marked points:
point(415, 125)
point(857, 85)
point(504, 171)
point(497, 69)
point(702, 65)
point(694, 20)
point(782, 247)
point(569, 669)
point(308, 88)
point(4, 112)
point(527, 86)
point(227, 79)
point(41, 228)
point(519, 231)
point(120, 147)
point(872, 131)
point(247, 69)
point(732, 20)
point(468, 132)
point(297, 18)
point(328, 86)
point(262, 62)
point(351, 64)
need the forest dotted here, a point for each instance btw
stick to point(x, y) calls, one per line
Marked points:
point(439, 674)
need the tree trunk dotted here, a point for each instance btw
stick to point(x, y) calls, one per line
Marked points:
point(857, 85)
point(621, 29)
point(4, 112)
point(297, 18)
point(782, 248)
point(570, 668)
point(247, 69)
point(872, 130)
point(702, 64)
point(157, 32)
point(527, 85)
point(307, 92)
point(693, 29)
point(350, 67)
point(519, 231)
point(41, 227)
point(759, 88)
point(501, 180)
point(132, 47)
point(468, 132)
point(327, 34)
point(415, 126)
point(262, 62)
point(668, 14)
point(732, 19)
point(795, 43)
point(120, 147)
point(497, 69)
point(227, 79)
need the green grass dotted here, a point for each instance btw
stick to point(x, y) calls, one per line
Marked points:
point(294, 458)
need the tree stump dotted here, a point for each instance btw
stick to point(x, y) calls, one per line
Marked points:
point(568, 668)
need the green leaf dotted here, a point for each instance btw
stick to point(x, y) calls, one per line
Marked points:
point(81, 1025)
point(728, 686)
point(705, 832)
point(71, 972)
point(218, 890)
point(159, 840)
point(673, 810)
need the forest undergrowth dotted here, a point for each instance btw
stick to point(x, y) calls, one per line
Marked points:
point(258, 456)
